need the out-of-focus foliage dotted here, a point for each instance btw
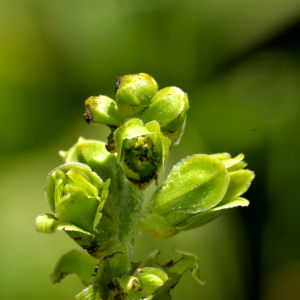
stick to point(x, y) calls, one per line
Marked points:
point(240, 65)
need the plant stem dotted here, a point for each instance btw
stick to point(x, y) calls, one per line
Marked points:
point(130, 202)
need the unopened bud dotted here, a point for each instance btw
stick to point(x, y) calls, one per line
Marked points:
point(134, 93)
point(168, 107)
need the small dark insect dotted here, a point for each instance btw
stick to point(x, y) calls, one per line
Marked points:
point(88, 116)
point(119, 79)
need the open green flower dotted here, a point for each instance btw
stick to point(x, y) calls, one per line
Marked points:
point(142, 151)
point(197, 191)
point(76, 195)
point(134, 93)
point(168, 107)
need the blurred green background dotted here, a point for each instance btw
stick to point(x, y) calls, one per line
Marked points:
point(239, 62)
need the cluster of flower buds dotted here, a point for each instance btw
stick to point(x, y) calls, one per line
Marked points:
point(144, 121)
point(114, 277)
point(96, 195)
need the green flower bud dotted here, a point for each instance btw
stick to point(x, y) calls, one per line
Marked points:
point(134, 93)
point(196, 191)
point(174, 270)
point(102, 110)
point(94, 154)
point(168, 107)
point(142, 151)
point(77, 195)
point(116, 279)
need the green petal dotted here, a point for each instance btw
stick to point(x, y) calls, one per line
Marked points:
point(47, 223)
point(104, 196)
point(176, 136)
point(132, 128)
point(209, 215)
point(78, 179)
point(238, 166)
point(232, 161)
point(187, 262)
point(161, 142)
point(78, 208)
point(221, 156)
point(238, 185)
point(92, 292)
point(94, 154)
point(60, 173)
point(196, 184)
point(150, 280)
point(111, 266)
point(76, 262)
point(101, 109)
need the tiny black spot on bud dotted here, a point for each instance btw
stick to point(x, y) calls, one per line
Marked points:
point(119, 79)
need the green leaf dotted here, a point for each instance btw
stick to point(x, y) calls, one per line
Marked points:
point(76, 262)
point(209, 215)
point(187, 262)
point(150, 259)
point(111, 266)
point(92, 292)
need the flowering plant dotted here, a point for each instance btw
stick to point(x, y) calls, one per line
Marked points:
point(96, 195)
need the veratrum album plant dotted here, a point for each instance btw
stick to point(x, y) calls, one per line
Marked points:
point(96, 195)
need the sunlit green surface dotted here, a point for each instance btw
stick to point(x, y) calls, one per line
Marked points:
point(55, 54)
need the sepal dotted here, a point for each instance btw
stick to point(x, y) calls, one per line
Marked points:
point(76, 262)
